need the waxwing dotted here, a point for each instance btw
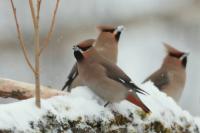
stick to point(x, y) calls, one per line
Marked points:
point(171, 76)
point(105, 78)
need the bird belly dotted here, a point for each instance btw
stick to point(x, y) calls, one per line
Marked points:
point(97, 80)
point(109, 90)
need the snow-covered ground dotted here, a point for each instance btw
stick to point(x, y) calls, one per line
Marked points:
point(82, 110)
point(176, 22)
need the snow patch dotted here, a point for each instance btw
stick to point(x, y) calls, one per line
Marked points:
point(83, 105)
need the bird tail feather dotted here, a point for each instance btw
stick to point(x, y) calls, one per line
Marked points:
point(137, 102)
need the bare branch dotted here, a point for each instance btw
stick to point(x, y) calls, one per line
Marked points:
point(37, 58)
point(48, 37)
point(32, 12)
point(21, 90)
point(38, 8)
point(21, 39)
point(37, 48)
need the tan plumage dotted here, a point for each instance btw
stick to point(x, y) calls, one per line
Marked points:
point(106, 44)
point(171, 76)
point(105, 78)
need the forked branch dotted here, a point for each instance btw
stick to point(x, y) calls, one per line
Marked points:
point(37, 48)
point(32, 12)
point(47, 38)
point(21, 39)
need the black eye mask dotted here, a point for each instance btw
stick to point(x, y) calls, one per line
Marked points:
point(117, 36)
point(184, 61)
point(176, 55)
point(108, 30)
point(84, 48)
point(181, 57)
point(78, 55)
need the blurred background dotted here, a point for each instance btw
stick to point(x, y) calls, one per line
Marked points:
point(148, 24)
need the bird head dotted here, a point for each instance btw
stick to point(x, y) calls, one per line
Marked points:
point(81, 49)
point(116, 31)
point(176, 54)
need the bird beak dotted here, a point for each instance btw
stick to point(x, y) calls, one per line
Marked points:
point(76, 48)
point(119, 29)
point(184, 55)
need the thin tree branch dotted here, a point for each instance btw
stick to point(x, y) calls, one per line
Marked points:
point(37, 49)
point(32, 12)
point(48, 37)
point(38, 8)
point(37, 58)
point(22, 90)
point(21, 39)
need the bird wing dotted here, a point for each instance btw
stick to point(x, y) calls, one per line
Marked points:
point(159, 78)
point(115, 73)
point(72, 75)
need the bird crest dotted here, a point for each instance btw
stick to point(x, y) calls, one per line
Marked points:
point(106, 28)
point(173, 51)
point(85, 45)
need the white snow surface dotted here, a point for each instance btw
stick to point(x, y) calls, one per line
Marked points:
point(83, 102)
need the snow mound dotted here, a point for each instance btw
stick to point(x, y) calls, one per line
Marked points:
point(83, 111)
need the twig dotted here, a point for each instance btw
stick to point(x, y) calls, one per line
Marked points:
point(47, 38)
point(38, 11)
point(37, 49)
point(21, 39)
point(32, 12)
point(38, 8)
point(37, 58)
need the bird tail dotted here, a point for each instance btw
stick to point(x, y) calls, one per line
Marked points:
point(137, 89)
point(138, 102)
point(72, 75)
point(67, 84)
